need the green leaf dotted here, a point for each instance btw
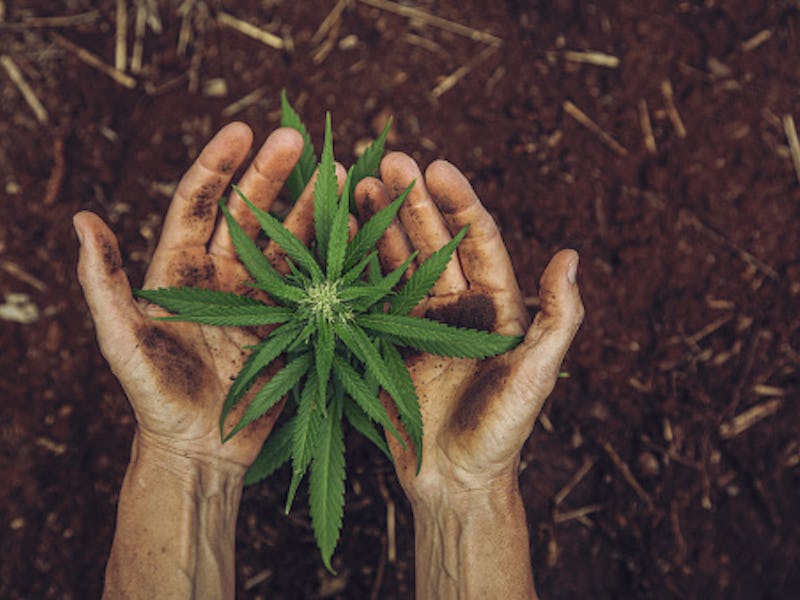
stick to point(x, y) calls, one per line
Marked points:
point(368, 163)
point(337, 244)
point(355, 272)
point(266, 277)
point(234, 316)
point(278, 233)
point(384, 286)
point(406, 398)
point(272, 392)
point(326, 483)
point(326, 193)
point(370, 403)
point(438, 338)
point(306, 430)
point(304, 169)
point(393, 378)
point(180, 299)
point(425, 276)
point(362, 423)
point(373, 229)
point(261, 356)
point(323, 356)
point(277, 449)
point(374, 275)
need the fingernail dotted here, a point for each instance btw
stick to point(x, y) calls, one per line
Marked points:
point(572, 271)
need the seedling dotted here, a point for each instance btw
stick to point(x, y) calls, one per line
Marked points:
point(339, 323)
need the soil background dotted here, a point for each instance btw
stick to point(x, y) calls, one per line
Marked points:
point(665, 466)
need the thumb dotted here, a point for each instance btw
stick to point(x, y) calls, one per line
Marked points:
point(106, 288)
point(554, 327)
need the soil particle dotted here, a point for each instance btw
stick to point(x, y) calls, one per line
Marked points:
point(478, 395)
point(111, 258)
point(226, 166)
point(475, 311)
point(368, 208)
point(179, 367)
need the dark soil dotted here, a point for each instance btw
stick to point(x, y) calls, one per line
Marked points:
point(690, 273)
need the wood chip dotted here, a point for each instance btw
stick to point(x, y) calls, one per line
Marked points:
point(768, 390)
point(244, 102)
point(744, 421)
point(243, 27)
point(93, 61)
point(672, 111)
point(18, 272)
point(435, 21)
point(582, 118)
point(85, 18)
point(451, 80)
point(328, 22)
point(121, 45)
point(627, 474)
point(647, 127)
point(599, 59)
point(574, 481)
point(794, 145)
point(755, 41)
point(27, 92)
point(569, 515)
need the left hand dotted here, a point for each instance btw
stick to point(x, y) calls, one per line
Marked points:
point(175, 374)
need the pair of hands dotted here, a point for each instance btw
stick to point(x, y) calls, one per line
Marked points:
point(476, 414)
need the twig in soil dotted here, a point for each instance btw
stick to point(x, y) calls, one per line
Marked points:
point(794, 144)
point(53, 187)
point(322, 51)
point(391, 552)
point(185, 11)
point(93, 61)
point(15, 270)
point(755, 41)
point(2, 11)
point(587, 465)
point(199, 19)
point(121, 45)
point(376, 585)
point(328, 22)
point(672, 111)
point(768, 390)
point(244, 102)
point(85, 18)
point(680, 541)
point(27, 92)
point(140, 25)
point(647, 127)
point(253, 581)
point(627, 474)
point(245, 28)
point(744, 421)
point(599, 59)
point(451, 80)
point(708, 329)
point(689, 218)
point(582, 118)
point(423, 42)
point(578, 513)
point(429, 19)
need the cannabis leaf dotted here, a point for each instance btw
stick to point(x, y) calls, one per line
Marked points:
point(337, 324)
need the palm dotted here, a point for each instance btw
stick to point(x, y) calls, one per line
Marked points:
point(176, 375)
point(476, 414)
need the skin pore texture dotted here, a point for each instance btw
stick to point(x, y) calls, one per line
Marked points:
point(176, 521)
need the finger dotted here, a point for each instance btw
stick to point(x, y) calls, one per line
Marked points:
point(300, 220)
point(260, 184)
point(421, 219)
point(394, 247)
point(553, 329)
point(106, 288)
point(193, 211)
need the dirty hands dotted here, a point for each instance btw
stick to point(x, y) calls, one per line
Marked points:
point(176, 374)
point(476, 414)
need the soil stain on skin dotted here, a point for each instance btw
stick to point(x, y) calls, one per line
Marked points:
point(111, 258)
point(201, 207)
point(226, 166)
point(478, 395)
point(475, 311)
point(179, 367)
point(195, 274)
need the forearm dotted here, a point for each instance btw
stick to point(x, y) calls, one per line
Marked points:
point(176, 523)
point(473, 546)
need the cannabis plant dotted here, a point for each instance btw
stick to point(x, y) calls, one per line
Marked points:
point(339, 324)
